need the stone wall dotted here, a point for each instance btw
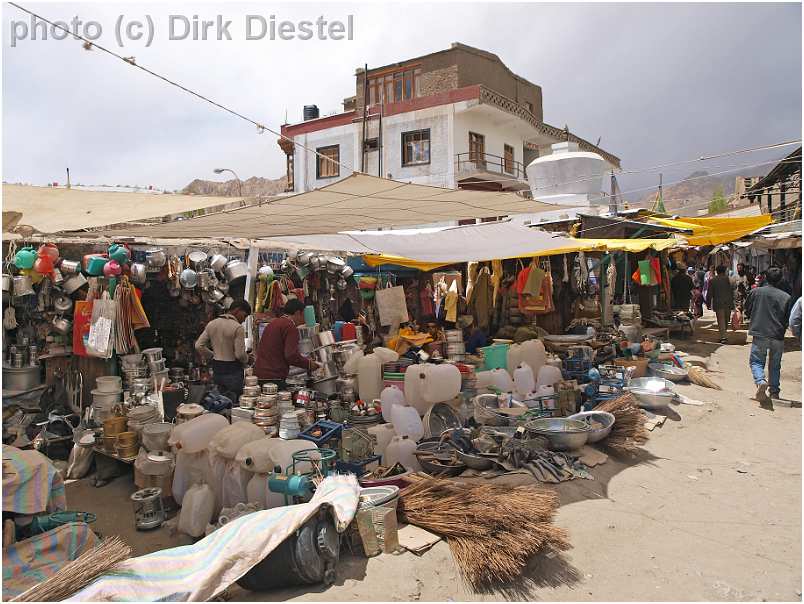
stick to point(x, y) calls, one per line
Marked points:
point(438, 80)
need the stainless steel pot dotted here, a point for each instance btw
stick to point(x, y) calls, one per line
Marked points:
point(188, 278)
point(324, 338)
point(21, 378)
point(214, 296)
point(155, 258)
point(62, 303)
point(8, 283)
point(23, 286)
point(335, 264)
point(315, 263)
point(57, 277)
point(217, 263)
point(152, 354)
point(138, 273)
point(347, 271)
point(326, 371)
point(235, 269)
point(205, 278)
point(70, 267)
point(293, 255)
point(198, 259)
point(223, 286)
point(323, 354)
point(305, 258)
point(74, 283)
point(326, 386)
point(62, 326)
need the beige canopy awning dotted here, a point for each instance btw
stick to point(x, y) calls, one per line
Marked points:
point(358, 202)
point(50, 210)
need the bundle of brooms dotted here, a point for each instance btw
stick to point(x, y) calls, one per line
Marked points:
point(629, 432)
point(492, 531)
point(76, 575)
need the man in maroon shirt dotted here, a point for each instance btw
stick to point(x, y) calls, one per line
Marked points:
point(279, 346)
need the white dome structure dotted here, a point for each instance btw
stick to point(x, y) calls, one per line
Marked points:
point(568, 176)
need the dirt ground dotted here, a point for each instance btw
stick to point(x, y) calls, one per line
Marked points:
point(711, 510)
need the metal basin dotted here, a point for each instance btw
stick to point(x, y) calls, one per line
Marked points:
point(475, 462)
point(601, 417)
point(654, 384)
point(564, 434)
point(649, 399)
point(668, 372)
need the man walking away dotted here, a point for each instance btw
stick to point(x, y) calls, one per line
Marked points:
point(770, 309)
point(228, 352)
point(681, 290)
point(721, 300)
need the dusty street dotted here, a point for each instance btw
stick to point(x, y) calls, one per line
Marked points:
point(710, 511)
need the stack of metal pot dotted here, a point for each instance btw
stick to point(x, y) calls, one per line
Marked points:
point(134, 371)
point(106, 396)
point(251, 392)
point(156, 365)
point(456, 349)
point(266, 409)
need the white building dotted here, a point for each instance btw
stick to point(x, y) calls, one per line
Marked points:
point(457, 118)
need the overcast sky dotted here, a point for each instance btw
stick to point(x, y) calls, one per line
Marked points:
point(658, 83)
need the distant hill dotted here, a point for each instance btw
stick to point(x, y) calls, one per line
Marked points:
point(256, 186)
point(696, 190)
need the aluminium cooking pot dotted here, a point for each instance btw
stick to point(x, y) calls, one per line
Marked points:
point(305, 258)
point(62, 303)
point(347, 271)
point(214, 296)
point(62, 326)
point(188, 278)
point(56, 277)
point(155, 258)
point(23, 286)
point(217, 263)
point(235, 269)
point(8, 283)
point(197, 259)
point(335, 264)
point(70, 267)
point(74, 283)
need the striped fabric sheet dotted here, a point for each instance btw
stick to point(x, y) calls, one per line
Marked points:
point(32, 561)
point(31, 484)
point(200, 571)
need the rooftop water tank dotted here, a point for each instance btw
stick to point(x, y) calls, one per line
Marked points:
point(568, 176)
point(310, 112)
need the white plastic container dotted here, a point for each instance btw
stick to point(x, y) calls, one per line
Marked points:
point(196, 434)
point(441, 383)
point(406, 422)
point(228, 441)
point(369, 377)
point(413, 390)
point(386, 355)
point(548, 376)
point(400, 450)
point(384, 433)
point(390, 396)
point(515, 357)
point(533, 353)
point(197, 509)
point(501, 379)
point(261, 456)
point(191, 468)
point(544, 390)
point(524, 382)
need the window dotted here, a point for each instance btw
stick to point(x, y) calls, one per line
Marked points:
point(327, 162)
point(508, 159)
point(372, 144)
point(290, 184)
point(416, 147)
point(477, 148)
point(394, 87)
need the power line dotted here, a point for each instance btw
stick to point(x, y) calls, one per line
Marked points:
point(130, 61)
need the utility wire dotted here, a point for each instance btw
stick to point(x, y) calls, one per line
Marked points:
point(130, 61)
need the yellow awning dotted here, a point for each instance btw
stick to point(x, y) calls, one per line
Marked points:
point(714, 230)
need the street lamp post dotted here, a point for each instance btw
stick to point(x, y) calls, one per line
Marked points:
point(239, 182)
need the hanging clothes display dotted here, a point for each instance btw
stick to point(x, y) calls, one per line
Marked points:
point(426, 300)
point(496, 279)
point(451, 303)
point(533, 284)
point(480, 299)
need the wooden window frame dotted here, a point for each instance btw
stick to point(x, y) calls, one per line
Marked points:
point(473, 155)
point(382, 87)
point(420, 131)
point(321, 151)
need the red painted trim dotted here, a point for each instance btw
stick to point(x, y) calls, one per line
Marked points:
point(322, 123)
point(443, 98)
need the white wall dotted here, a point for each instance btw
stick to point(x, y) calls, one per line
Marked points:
point(496, 134)
point(305, 161)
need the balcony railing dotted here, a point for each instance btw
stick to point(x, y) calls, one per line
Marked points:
point(473, 162)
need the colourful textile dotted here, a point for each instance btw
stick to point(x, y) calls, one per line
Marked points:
point(30, 562)
point(533, 286)
point(199, 571)
point(31, 484)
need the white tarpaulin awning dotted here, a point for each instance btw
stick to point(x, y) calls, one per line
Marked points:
point(469, 243)
point(55, 209)
point(357, 202)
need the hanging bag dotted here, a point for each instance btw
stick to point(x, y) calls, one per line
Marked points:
point(391, 305)
point(100, 340)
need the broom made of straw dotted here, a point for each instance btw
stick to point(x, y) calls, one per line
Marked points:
point(492, 531)
point(629, 431)
point(76, 575)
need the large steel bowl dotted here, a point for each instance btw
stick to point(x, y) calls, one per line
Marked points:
point(668, 372)
point(648, 399)
point(601, 417)
point(564, 434)
point(654, 384)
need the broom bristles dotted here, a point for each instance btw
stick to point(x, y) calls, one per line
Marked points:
point(629, 431)
point(79, 573)
point(492, 531)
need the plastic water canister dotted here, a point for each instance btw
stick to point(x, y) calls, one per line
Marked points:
point(548, 376)
point(390, 396)
point(534, 355)
point(484, 379)
point(524, 382)
point(544, 391)
point(369, 377)
point(515, 357)
point(384, 433)
point(400, 450)
point(407, 422)
point(386, 355)
point(440, 383)
point(228, 441)
point(413, 388)
point(501, 379)
point(196, 434)
point(256, 456)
